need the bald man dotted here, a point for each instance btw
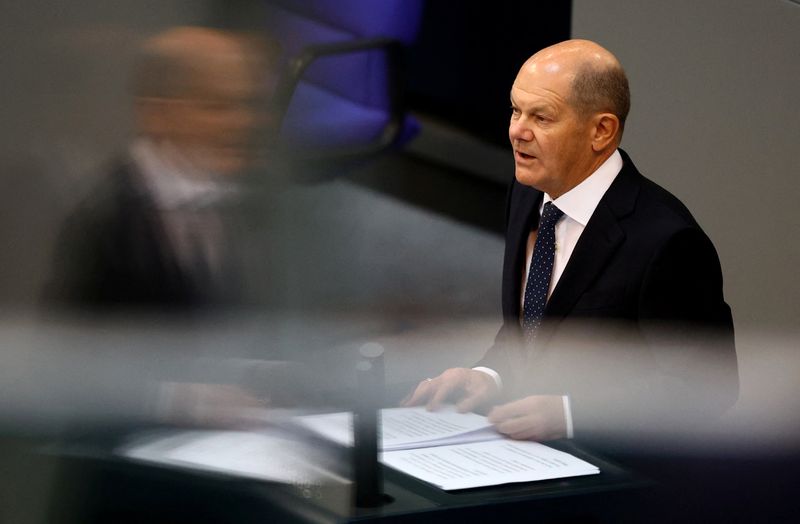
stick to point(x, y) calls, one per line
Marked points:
point(156, 232)
point(615, 319)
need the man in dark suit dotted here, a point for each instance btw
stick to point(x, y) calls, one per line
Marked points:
point(159, 231)
point(612, 301)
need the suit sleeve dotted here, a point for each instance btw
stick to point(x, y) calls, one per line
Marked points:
point(499, 356)
point(687, 324)
point(79, 259)
point(683, 336)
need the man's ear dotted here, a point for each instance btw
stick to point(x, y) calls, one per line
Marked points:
point(605, 131)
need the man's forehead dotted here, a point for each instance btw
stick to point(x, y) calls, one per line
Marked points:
point(546, 70)
point(536, 93)
point(545, 66)
point(574, 51)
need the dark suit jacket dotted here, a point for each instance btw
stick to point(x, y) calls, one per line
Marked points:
point(113, 251)
point(637, 320)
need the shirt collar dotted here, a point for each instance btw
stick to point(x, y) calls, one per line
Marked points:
point(580, 202)
point(173, 181)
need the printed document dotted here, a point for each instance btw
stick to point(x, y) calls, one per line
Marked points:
point(454, 450)
point(487, 463)
point(407, 428)
point(263, 456)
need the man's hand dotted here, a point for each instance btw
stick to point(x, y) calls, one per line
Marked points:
point(207, 405)
point(538, 417)
point(467, 388)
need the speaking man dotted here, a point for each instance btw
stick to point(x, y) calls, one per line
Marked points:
point(613, 311)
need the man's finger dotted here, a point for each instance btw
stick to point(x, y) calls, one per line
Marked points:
point(469, 403)
point(441, 394)
point(531, 433)
point(519, 427)
point(420, 395)
point(404, 400)
point(423, 393)
point(504, 412)
point(481, 387)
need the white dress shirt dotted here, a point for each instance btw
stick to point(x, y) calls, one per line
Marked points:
point(186, 199)
point(578, 205)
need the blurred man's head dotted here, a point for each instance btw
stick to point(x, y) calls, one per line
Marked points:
point(569, 103)
point(200, 90)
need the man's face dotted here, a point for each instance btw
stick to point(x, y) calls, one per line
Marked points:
point(215, 124)
point(552, 144)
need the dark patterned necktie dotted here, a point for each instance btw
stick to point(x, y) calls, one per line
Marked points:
point(541, 271)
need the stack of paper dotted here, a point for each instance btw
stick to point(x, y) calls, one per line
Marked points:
point(407, 428)
point(454, 450)
point(264, 456)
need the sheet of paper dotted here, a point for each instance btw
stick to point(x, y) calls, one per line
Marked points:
point(256, 455)
point(407, 428)
point(487, 464)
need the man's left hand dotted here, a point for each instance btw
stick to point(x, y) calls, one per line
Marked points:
point(538, 417)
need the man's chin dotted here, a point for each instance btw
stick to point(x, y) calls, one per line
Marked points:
point(231, 167)
point(528, 178)
point(223, 165)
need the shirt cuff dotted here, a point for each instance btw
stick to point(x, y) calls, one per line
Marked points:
point(568, 416)
point(492, 373)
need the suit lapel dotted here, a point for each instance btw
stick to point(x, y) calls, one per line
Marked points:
point(523, 218)
point(149, 239)
point(599, 241)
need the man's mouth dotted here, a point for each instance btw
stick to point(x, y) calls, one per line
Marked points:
point(523, 156)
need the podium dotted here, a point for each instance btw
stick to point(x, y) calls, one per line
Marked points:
point(96, 485)
point(590, 497)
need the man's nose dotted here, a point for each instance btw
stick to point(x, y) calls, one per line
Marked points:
point(517, 130)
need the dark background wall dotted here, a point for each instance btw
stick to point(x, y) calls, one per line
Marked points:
point(467, 55)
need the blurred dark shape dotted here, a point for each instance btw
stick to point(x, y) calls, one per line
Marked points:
point(342, 91)
point(24, 229)
point(161, 230)
point(366, 420)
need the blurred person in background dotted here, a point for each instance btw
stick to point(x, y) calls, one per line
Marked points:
point(162, 229)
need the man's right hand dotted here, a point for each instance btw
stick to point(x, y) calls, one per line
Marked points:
point(467, 388)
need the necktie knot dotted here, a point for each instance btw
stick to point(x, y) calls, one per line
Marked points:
point(550, 215)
